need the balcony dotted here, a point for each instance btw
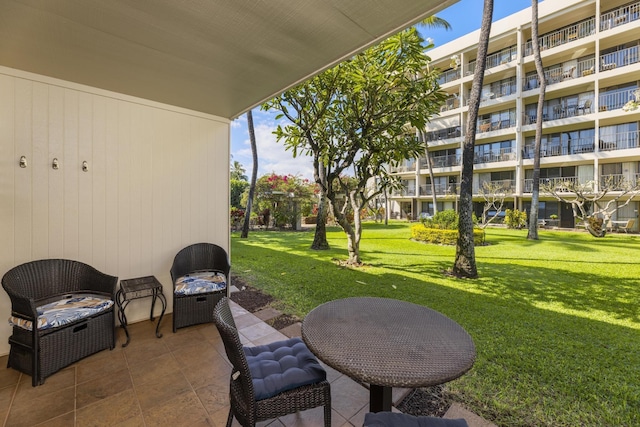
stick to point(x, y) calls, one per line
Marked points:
point(440, 134)
point(559, 183)
point(620, 16)
point(618, 182)
point(619, 141)
point(503, 185)
point(574, 146)
point(614, 100)
point(621, 58)
point(562, 36)
point(557, 74)
point(487, 125)
point(409, 167)
point(443, 161)
point(504, 155)
point(441, 189)
point(404, 192)
point(450, 103)
point(449, 76)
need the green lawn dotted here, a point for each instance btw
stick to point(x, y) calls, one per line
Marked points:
point(556, 322)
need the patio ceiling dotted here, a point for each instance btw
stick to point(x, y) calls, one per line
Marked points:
point(220, 57)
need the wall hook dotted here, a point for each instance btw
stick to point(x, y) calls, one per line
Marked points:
point(85, 166)
point(23, 162)
point(55, 164)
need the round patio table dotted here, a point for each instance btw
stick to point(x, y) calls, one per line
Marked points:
point(388, 343)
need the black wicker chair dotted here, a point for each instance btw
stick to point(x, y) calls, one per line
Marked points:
point(42, 352)
point(242, 396)
point(197, 308)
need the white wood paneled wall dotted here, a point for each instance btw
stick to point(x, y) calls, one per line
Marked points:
point(157, 180)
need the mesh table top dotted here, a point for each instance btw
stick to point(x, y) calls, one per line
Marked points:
point(388, 342)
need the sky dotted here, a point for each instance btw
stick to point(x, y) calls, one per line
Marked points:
point(464, 17)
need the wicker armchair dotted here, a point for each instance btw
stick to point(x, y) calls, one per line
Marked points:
point(197, 308)
point(242, 396)
point(40, 352)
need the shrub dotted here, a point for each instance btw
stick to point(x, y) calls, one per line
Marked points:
point(440, 236)
point(515, 218)
point(445, 220)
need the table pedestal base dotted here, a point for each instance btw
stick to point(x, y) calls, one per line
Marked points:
point(380, 398)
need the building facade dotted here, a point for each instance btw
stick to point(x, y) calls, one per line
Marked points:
point(590, 54)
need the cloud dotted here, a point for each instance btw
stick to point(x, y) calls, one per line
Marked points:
point(272, 156)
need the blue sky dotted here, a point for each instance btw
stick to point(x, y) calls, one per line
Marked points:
point(464, 17)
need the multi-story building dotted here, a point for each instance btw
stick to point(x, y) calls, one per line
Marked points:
point(590, 53)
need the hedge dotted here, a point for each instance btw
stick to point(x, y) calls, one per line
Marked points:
point(443, 237)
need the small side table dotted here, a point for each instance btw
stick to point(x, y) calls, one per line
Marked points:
point(140, 287)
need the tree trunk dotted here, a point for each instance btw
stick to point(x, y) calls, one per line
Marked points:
point(320, 233)
point(532, 233)
point(353, 239)
point(254, 174)
point(465, 263)
point(434, 197)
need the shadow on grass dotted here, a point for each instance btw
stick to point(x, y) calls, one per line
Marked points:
point(571, 347)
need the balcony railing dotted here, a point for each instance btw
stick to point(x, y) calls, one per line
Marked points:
point(506, 185)
point(618, 182)
point(559, 183)
point(450, 103)
point(487, 125)
point(562, 36)
point(502, 57)
point(558, 74)
point(559, 111)
point(405, 192)
point(436, 135)
point(621, 58)
point(574, 146)
point(445, 161)
point(616, 99)
point(619, 141)
point(441, 189)
point(410, 167)
point(503, 155)
point(448, 76)
point(620, 16)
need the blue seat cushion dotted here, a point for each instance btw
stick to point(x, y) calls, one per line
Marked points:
point(282, 366)
point(200, 282)
point(395, 419)
point(65, 311)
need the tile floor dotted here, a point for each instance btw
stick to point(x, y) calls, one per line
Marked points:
point(181, 379)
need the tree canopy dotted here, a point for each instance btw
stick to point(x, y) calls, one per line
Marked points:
point(358, 117)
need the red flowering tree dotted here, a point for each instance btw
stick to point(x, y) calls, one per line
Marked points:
point(283, 198)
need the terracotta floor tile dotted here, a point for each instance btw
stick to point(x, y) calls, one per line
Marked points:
point(183, 410)
point(114, 410)
point(155, 393)
point(102, 387)
point(29, 412)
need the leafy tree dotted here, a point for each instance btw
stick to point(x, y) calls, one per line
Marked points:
point(237, 188)
point(237, 171)
point(357, 119)
point(588, 203)
point(283, 196)
point(535, 194)
point(465, 262)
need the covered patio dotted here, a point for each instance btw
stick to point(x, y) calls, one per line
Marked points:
point(179, 379)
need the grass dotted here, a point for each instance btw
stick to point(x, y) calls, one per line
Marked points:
point(556, 322)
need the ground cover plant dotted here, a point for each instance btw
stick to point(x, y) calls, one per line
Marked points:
point(556, 322)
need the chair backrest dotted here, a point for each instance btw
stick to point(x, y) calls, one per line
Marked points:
point(587, 103)
point(241, 376)
point(200, 257)
point(630, 223)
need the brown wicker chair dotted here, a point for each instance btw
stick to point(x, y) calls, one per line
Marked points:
point(42, 352)
point(197, 308)
point(243, 404)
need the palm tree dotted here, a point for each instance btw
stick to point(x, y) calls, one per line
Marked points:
point(465, 263)
point(535, 193)
point(254, 174)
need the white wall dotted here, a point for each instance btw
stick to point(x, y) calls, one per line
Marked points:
point(157, 181)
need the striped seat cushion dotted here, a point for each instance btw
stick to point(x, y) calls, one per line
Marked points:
point(65, 311)
point(201, 282)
